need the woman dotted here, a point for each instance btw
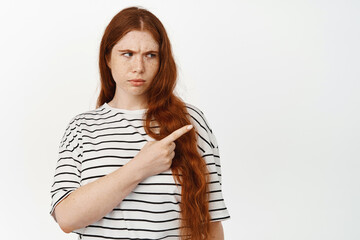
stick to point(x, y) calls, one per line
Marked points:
point(143, 164)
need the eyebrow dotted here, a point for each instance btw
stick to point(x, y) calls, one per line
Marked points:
point(128, 50)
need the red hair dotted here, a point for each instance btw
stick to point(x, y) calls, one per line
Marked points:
point(188, 167)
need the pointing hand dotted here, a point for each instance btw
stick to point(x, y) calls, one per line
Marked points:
point(156, 156)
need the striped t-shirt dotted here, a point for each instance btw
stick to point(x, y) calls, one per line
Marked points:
point(98, 142)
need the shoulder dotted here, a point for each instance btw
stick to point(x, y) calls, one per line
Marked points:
point(82, 118)
point(198, 116)
point(199, 121)
point(97, 112)
point(91, 114)
point(193, 108)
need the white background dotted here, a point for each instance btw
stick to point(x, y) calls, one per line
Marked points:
point(279, 82)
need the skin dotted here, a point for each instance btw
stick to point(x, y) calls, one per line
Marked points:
point(141, 62)
point(135, 56)
point(216, 231)
point(92, 201)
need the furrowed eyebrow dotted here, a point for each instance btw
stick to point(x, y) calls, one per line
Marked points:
point(128, 50)
point(152, 52)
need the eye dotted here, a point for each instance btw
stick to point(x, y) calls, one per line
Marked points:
point(151, 55)
point(128, 54)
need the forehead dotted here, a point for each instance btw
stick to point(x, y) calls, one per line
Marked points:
point(137, 40)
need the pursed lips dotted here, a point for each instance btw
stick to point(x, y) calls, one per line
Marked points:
point(137, 80)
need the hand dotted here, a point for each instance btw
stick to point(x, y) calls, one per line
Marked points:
point(156, 156)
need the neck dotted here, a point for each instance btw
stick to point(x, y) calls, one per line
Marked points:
point(129, 103)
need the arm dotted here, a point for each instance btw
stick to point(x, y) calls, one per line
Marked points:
point(89, 203)
point(92, 201)
point(216, 231)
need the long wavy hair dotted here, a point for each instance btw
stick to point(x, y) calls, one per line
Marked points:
point(169, 111)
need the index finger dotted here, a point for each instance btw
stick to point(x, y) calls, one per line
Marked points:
point(177, 133)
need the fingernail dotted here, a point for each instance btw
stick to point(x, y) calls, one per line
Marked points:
point(189, 127)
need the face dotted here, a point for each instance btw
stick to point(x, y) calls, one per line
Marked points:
point(134, 63)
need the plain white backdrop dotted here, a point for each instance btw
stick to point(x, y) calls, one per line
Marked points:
point(278, 81)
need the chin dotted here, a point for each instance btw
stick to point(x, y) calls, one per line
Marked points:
point(137, 93)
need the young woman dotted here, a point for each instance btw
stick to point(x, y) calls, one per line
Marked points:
point(143, 164)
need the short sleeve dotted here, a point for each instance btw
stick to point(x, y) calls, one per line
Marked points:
point(209, 150)
point(67, 173)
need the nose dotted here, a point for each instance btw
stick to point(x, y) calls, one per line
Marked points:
point(138, 64)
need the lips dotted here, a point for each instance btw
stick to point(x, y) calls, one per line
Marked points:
point(137, 80)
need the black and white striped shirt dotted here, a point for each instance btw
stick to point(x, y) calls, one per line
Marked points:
point(98, 142)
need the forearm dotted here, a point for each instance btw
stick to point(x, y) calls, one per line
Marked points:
point(216, 231)
point(91, 202)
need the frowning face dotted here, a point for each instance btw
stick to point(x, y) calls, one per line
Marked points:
point(134, 63)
